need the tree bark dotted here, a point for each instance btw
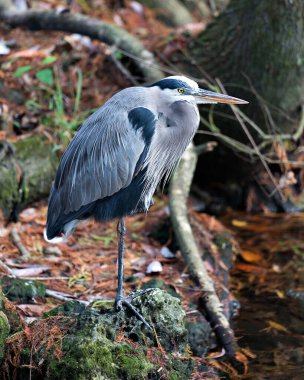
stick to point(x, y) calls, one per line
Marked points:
point(259, 44)
point(170, 12)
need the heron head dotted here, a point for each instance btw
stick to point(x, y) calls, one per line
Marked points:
point(183, 88)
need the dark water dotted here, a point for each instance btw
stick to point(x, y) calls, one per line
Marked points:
point(268, 280)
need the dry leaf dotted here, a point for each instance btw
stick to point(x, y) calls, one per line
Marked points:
point(277, 326)
point(239, 223)
point(243, 359)
point(249, 268)
point(250, 256)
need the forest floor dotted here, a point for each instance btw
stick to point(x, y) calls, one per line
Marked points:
point(267, 277)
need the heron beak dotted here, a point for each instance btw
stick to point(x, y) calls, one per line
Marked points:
point(205, 96)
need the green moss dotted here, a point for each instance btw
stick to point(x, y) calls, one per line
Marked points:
point(9, 194)
point(179, 369)
point(18, 289)
point(11, 314)
point(107, 345)
point(165, 313)
point(39, 165)
point(132, 363)
point(93, 355)
point(156, 283)
point(4, 332)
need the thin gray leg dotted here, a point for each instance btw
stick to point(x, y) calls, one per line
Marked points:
point(121, 231)
point(120, 300)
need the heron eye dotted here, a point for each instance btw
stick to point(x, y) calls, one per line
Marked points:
point(181, 90)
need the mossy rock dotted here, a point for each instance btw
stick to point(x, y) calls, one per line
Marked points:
point(199, 334)
point(4, 332)
point(11, 313)
point(110, 345)
point(22, 290)
point(27, 168)
point(156, 283)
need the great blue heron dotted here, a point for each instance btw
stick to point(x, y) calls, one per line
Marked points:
point(117, 158)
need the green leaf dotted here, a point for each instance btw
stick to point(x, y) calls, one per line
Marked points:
point(78, 91)
point(46, 76)
point(21, 70)
point(49, 59)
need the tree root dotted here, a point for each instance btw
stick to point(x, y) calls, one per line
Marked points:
point(93, 28)
point(178, 194)
point(26, 255)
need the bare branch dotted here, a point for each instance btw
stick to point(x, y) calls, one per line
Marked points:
point(178, 194)
point(77, 23)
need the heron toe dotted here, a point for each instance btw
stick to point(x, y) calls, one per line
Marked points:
point(121, 301)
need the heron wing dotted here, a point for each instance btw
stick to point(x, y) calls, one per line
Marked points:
point(103, 157)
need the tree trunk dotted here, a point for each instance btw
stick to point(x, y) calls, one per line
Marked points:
point(170, 12)
point(260, 44)
point(253, 47)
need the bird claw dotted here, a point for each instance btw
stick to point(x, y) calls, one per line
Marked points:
point(121, 301)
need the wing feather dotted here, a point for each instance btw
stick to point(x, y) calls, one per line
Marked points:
point(101, 159)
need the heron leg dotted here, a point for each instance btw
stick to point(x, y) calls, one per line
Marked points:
point(121, 231)
point(120, 300)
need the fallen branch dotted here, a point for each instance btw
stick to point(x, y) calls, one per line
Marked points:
point(18, 243)
point(76, 23)
point(63, 296)
point(178, 194)
point(7, 269)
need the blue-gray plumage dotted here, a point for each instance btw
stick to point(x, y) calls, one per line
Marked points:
point(119, 155)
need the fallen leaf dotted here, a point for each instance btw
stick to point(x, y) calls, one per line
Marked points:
point(280, 294)
point(28, 215)
point(248, 353)
point(277, 326)
point(242, 359)
point(248, 268)
point(35, 310)
point(29, 53)
point(239, 223)
point(216, 355)
point(250, 256)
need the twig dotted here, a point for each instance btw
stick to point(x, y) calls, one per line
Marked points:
point(255, 147)
point(7, 269)
point(62, 296)
point(126, 73)
point(17, 242)
point(178, 194)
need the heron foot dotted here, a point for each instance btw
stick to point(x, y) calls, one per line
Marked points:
point(121, 301)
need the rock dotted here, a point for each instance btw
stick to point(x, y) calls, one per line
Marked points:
point(165, 252)
point(81, 343)
point(22, 290)
point(159, 284)
point(4, 332)
point(199, 337)
point(154, 267)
